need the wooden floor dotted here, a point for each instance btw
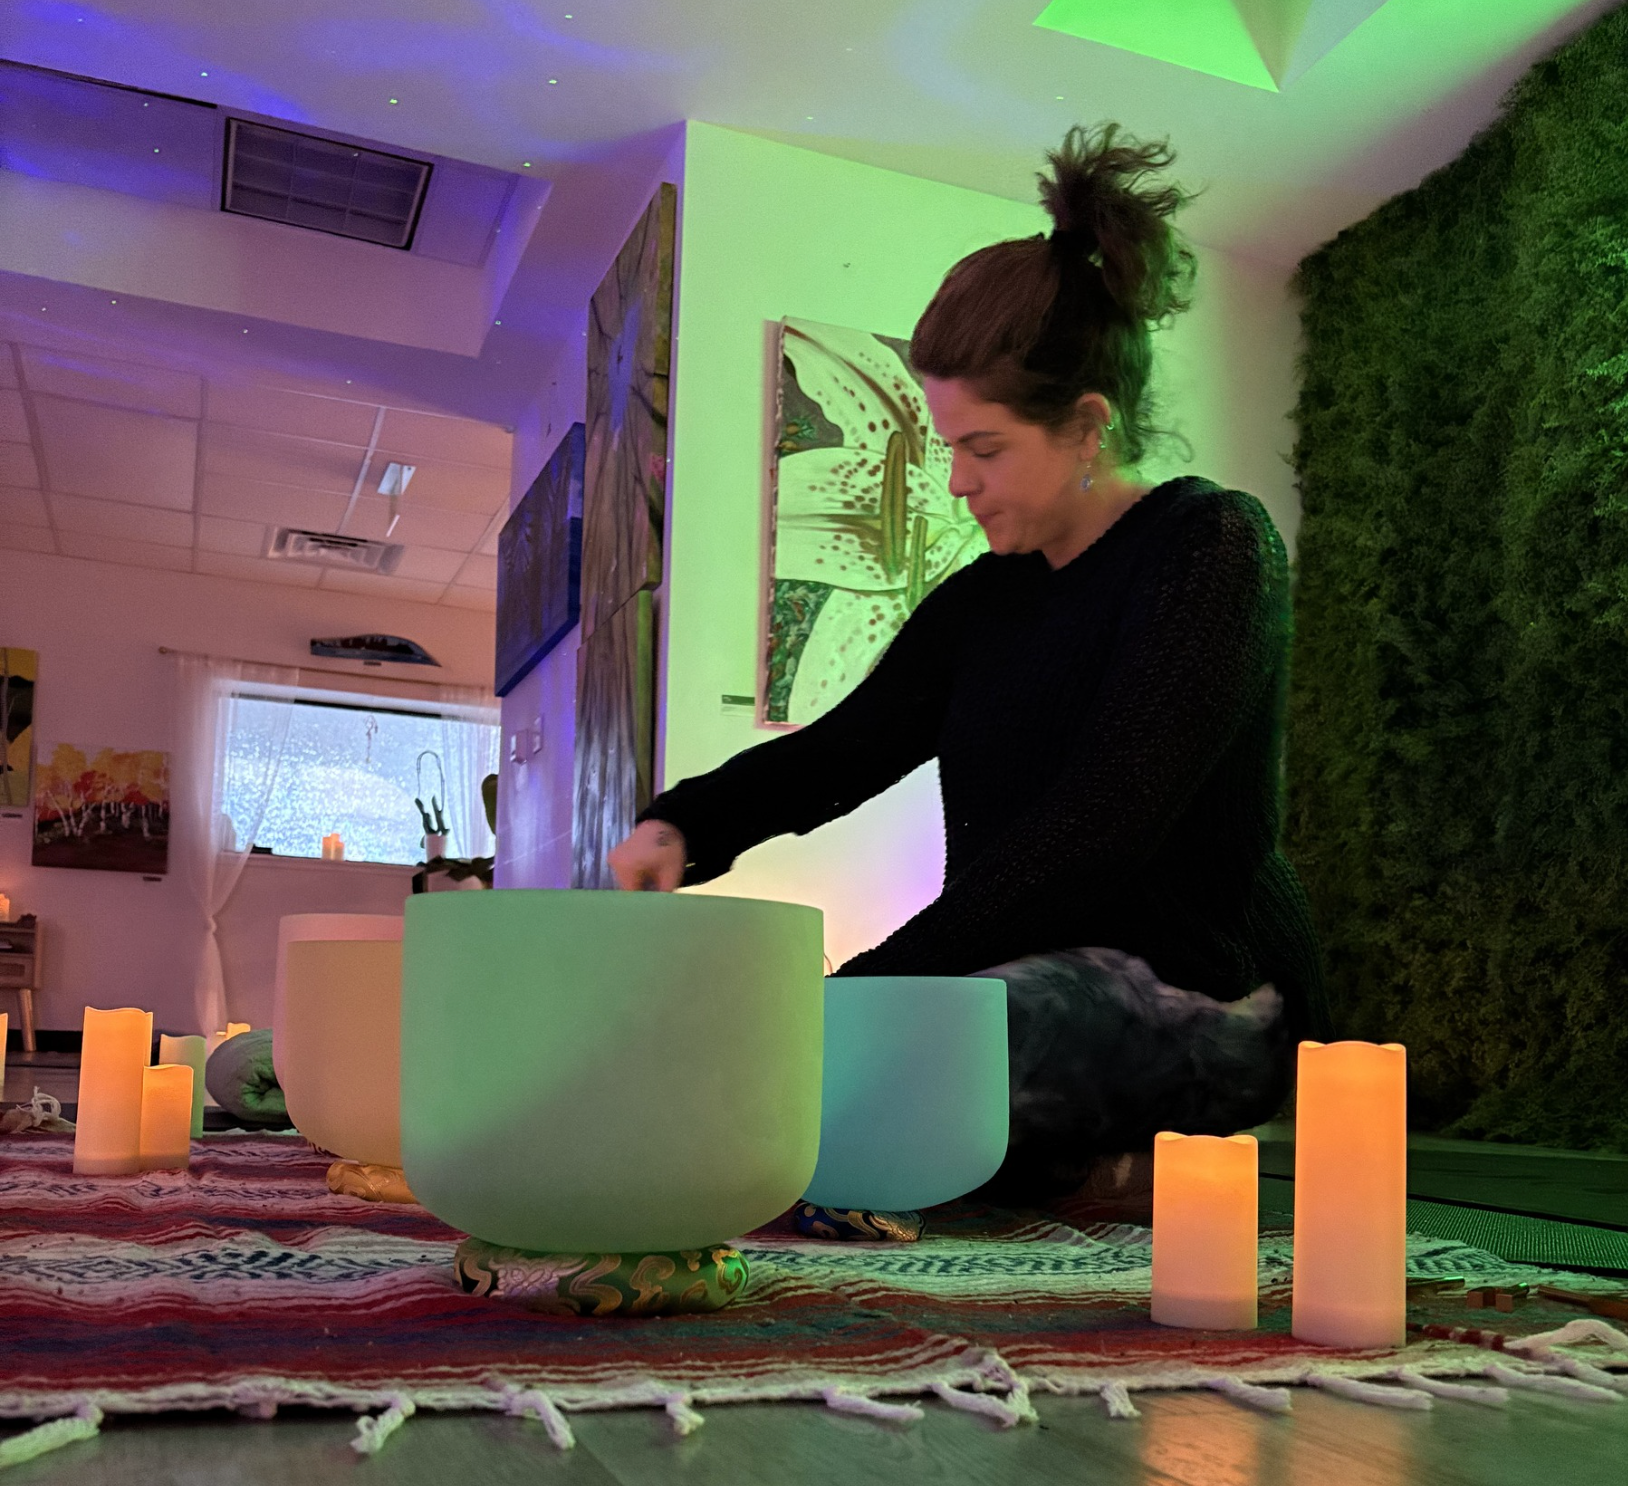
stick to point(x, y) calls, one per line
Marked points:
point(1181, 1438)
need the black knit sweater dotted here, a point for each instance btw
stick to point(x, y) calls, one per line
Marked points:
point(1109, 739)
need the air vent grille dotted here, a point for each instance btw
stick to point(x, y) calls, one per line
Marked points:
point(283, 176)
point(331, 550)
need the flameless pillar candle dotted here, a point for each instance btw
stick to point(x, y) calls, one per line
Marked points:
point(5, 909)
point(5, 1021)
point(333, 849)
point(166, 1117)
point(117, 1046)
point(1350, 1195)
point(193, 1051)
point(1205, 1199)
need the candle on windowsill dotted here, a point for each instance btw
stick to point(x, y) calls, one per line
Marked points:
point(116, 1046)
point(333, 849)
point(193, 1051)
point(5, 909)
point(1206, 1192)
point(166, 1117)
point(1350, 1195)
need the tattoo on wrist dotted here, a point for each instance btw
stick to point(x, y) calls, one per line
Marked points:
point(664, 838)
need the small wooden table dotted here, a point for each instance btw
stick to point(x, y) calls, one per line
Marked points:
point(20, 969)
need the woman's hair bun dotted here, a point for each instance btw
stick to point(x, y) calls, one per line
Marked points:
point(1108, 209)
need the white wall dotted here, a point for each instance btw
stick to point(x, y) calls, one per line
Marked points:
point(113, 938)
point(771, 231)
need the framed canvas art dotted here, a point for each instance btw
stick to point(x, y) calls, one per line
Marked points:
point(19, 670)
point(539, 565)
point(102, 809)
point(630, 342)
point(863, 525)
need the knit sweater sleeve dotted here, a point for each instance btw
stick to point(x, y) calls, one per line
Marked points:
point(1195, 648)
point(883, 729)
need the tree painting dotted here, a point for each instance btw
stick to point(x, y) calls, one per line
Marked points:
point(18, 671)
point(103, 810)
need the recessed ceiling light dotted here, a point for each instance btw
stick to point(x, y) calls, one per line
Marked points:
point(552, 81)
point(113, 301)
point(203, 74)
point(155, 149)
point(395, 100)
point(525, 164)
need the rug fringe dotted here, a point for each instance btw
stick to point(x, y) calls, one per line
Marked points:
point(533, 1403)
point(373, 1430)
point(83, 1424)
point(1375, 1393)
point(1496, 1398)
point(1271, 1400)
point(1116, 1398)
point(1544, 1382)
point(845, 1402)
point(988, 1404)
point(1583, 1329)
point(1587, 1372)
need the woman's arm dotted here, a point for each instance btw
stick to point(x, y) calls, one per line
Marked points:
point(1193, 655)
point(883, 729)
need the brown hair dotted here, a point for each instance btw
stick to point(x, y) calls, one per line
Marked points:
point(1036, 322)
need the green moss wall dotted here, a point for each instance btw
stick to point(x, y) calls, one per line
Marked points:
point(1458, 755)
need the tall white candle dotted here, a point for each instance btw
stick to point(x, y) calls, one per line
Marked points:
point(1351, 1195)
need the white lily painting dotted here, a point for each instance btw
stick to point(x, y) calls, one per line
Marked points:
point(864, 524)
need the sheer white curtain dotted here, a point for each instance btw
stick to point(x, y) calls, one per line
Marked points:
point(469, 754)
point(212, 846)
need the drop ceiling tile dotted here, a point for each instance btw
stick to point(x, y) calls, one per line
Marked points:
point(479, 572)
point(259, 569)
point(124, 384)
point(13, 421)
point(131, 554)
point(117, 453)
point(272, 505)
point(434, 437)
point(112, 518)
point(254, 454)
point(8, 367)
point(240, 538)
point(26, 538)
point(23, 507)
point(276, 410)
point(374, 586)
point(420, 526)
point(453, 487)
point(17, 466)
point(483, 599)
point(429, 563)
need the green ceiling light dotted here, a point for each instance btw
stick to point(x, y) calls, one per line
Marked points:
point(1261, 43)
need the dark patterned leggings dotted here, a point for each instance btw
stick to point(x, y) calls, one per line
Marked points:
point(1104, 1055)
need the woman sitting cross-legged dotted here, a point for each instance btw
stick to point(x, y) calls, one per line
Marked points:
point(1104, 694)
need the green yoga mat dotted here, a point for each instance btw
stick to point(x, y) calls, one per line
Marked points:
point(1513, 1236)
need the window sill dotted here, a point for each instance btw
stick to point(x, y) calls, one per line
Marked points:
point(317, 864)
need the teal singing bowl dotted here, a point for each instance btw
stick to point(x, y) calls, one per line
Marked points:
point(915, 1090)
point(609, 1072)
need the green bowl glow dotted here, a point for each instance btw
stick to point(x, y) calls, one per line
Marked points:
point(609, 1071)
point(915, 1100)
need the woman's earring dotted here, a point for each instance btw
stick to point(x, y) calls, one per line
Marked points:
point(1086, 481)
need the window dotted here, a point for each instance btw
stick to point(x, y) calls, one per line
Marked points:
point(355, 767)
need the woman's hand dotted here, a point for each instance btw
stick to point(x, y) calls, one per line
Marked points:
point(651, 860)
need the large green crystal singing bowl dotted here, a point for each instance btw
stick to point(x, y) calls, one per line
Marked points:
point(915, 1103)
point(609, 1072)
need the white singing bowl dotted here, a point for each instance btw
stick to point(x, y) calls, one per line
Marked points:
point(607, 1071)
point(295, 927)
point(915, 1102)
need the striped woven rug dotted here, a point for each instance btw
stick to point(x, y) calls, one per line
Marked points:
point(244, 1283)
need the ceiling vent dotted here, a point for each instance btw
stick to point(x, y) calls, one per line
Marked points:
point(329, 549)
point(282, 176)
